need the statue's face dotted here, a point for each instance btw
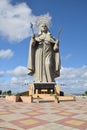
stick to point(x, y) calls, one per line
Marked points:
point(43, 28)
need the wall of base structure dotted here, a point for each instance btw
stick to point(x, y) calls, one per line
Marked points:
point(25, 99)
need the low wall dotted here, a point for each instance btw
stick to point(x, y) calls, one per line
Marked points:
point(25, 99)
point(11, 98)
point(66, 98)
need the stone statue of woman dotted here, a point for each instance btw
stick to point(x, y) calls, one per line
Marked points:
point(44, 57)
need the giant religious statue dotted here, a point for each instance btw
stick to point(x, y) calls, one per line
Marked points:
point(44, 56)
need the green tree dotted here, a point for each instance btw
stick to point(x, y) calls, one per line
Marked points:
point(85, 92)
point(9, 92)
point(0, 92)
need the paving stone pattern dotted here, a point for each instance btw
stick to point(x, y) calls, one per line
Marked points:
point(69, 115)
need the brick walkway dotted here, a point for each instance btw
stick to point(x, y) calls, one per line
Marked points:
point(70, 115)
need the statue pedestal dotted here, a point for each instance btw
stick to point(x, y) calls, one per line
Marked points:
point(44, 91)
point(42, 88)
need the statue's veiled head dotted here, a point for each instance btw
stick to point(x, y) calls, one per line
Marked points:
point(43, 28)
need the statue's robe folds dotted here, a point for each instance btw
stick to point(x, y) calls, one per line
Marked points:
point(44, 58)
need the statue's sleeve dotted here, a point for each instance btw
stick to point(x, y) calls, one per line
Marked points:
point(56, 56)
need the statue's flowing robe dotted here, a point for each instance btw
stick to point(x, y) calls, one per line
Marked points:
point(44, 59)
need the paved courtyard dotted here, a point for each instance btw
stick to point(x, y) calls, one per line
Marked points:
point(70, 115)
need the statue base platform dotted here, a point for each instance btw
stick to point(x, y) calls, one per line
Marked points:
point(47, 92)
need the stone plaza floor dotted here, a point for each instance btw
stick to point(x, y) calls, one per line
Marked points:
point(67, 115)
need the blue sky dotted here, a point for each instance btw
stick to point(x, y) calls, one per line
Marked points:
point(15, 32)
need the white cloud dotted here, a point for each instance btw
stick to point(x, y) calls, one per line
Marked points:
point(73, 80)
point(66, 57)
point(18, 71)
point(85, 73)
point(71, 73)
point(15, 20)
point(19, 84)
point(1, 73)
point(6, 53)
point(18, 80)
point(14, 80)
